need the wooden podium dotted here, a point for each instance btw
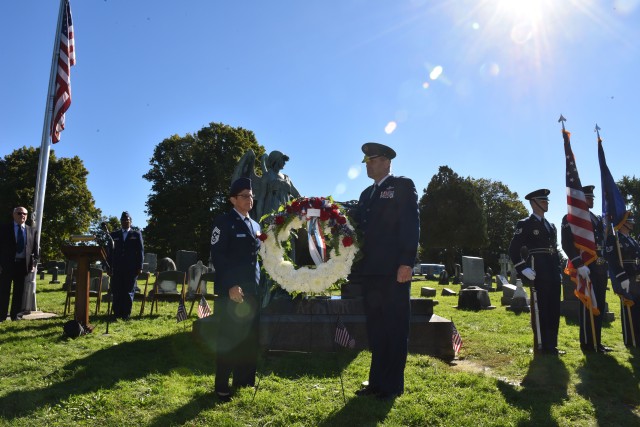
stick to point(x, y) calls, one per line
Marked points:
point(83, 255)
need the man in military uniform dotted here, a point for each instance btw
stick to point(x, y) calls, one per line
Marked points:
point(234, 254)
point(387, 216)
point(625, 278)
point(597, 271)
point(541, 268)
point(125, 260)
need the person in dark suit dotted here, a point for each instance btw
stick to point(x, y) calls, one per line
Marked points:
point(387, 215)
point(597, 271)
point(234, 255)
point(18, 256)
point(624, 266)
point(541, 269)
point(125, 264)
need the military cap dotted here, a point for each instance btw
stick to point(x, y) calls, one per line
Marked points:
point(240, 184)
point(588, 190)
point(372, 150)
point(541, 194)
point(124, 215)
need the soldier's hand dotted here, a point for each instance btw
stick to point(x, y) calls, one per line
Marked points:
point(236, 294)
point(529, 273)
point(583, 271)
point(404, 274)
point(625, 285)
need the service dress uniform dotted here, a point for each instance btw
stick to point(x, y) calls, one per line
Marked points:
point(387, 215)
point(630, 252)
point(234, 254)
point(125, 260)
point(540, 238)
point(598, 274)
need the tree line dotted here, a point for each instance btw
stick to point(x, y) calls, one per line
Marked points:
point(190, 177)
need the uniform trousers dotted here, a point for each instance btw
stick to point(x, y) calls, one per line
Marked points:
point(237, 342)
point(122, 287)
point(631, 324)
point(16, 275)
point(547, 287)
point(388, 314)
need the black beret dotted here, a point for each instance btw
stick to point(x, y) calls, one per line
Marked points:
point(373, 149)
point(125, 214)
point(588, 190)
point(540, 194)
point(240, 184)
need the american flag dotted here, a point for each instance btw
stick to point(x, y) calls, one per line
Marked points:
point(579, 220)
point(342, 337)
point(614, 210)
point(203, 308)
point(66, 58)
point(182, 311)
point(456, 339)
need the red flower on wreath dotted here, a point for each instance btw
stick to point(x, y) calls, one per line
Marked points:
point(324, 215)
point(341, 220)
point(279, 220)
point(263, 236)
point(347, 241)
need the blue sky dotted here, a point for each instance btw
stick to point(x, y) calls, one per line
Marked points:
point(477, 85)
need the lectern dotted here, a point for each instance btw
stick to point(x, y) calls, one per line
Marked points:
point(83, 255)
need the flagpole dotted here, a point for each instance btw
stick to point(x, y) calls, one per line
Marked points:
point(45, 150)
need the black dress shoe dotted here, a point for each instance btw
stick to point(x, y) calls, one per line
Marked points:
point(604, 348)
point(367, 391)
point(223, 397)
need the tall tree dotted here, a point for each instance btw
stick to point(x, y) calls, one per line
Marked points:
point(503, 210)
point(452, 217)
point(69, 207)
point(190, 177)
point(630, 190)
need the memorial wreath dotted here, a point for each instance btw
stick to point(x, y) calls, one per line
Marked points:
point(332, 244)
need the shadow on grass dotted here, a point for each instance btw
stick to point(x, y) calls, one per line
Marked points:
point(104, 368)
point(359, 411)
point(187, 412)
point(544, 386)
point(292, 365)
point(603, 381)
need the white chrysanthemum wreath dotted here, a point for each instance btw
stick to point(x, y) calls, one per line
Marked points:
point(337, 231)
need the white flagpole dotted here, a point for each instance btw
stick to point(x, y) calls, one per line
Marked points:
point(43, 165)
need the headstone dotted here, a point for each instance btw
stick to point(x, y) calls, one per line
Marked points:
point(427, 292)
point(488, 282)
point(193, 275)
point(444, 278)
point(500, 282)
point(457, 275)
point(185, 259)
point(520, 302)
point(508, 291)
point(474, 298)
point(504, 262)
point(151, 260)
point(166, 264)
point(446, 292)
point(473, 269)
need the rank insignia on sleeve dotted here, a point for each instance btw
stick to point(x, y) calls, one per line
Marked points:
point(215, 235)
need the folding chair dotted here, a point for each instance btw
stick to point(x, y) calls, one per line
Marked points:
point(166, 287)
point(202, 283)
point(141, 295)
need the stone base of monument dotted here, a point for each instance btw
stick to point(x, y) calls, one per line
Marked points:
point(519, 305)
point(446, 292)
point(427, 292)
point(309, 325)
point(474, 298)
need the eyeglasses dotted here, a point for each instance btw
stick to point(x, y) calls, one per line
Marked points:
point(244, 196)
point(21, 213)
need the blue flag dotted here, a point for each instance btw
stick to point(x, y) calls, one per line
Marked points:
point(614, 211)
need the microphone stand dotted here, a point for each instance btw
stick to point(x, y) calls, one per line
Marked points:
point(110, 247)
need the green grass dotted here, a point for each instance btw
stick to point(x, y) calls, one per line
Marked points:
point(151, 372)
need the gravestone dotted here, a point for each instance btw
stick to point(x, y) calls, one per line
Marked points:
point(520, 301)
point(193, 276)
point(457, 275)
point(474, 298)
point(151, 261)
point(185, 259)
point(444, 278)
point(473, 269)
point(427, 292)
point(446, 292)
point(570, 304)
point(504, 262)
point(508, 291)
point(500, 282)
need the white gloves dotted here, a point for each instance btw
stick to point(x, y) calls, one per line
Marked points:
point(529, 273)
point(625, 285)
point(583, 272)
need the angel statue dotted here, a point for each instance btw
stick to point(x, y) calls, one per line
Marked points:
point(270, 190)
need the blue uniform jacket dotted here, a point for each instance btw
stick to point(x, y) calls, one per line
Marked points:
point(234, 254)
point(541, 243)
point(389, 221)
point(630, 269)
point(127, 255)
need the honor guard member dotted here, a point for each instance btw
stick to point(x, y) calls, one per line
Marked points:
point(387, 216)
point(625, 278)
point(125, 262)
point(541, 268)
point(597, 271)
point(234, 254)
